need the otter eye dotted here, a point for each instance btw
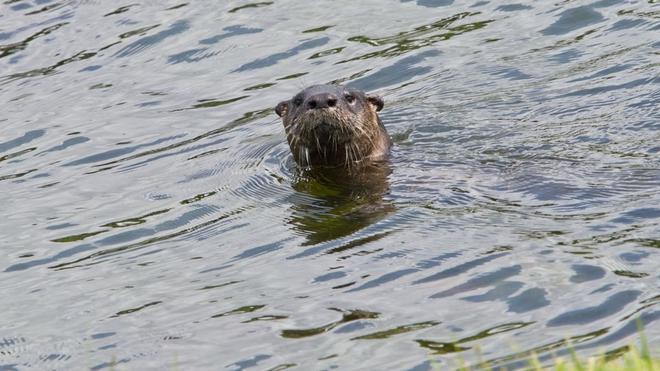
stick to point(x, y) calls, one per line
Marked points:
point(350, 98)
point(297, 101)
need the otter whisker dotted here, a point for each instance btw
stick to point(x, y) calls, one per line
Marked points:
point(323, 128)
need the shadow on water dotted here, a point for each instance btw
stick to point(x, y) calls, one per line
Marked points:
point(343, 202)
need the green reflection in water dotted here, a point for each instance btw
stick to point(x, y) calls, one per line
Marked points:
point(210, 103)
point(397, 330)
point(268, 317)
point(134, 221)
point(259, 86)
point(48, 70)
point(220, 285)
point(252, 5)
point(441, 348)
point(7, 50)
point(246, 118)
point(418, 37)
point(571, 341)
point(647, 242)
point(318, 29)
point(149, 241)
point(293, 76)
point(48, 8)
point(283, 366)
point(343, 203)
point(325, 53)
point(347, 316)
point(17, 154)
point(198, 197)
point(438, 347)
point(241, 310)
point(139, 31)
point(100, 86)
point(78, 237)
point(128, 311)
point(177, 6)
point(121, 9)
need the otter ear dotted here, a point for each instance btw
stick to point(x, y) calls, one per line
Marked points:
point(282, 107)
point(377, 101)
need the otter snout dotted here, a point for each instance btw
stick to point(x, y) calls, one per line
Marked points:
point(320, 101)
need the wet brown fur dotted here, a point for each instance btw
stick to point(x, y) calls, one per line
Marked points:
point(348, 134)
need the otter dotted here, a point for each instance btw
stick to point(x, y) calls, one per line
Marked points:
point(334, 126)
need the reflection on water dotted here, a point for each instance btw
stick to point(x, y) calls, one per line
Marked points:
point(344, 202)
point(153, 216)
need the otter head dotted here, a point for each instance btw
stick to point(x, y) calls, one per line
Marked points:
point(333, 125)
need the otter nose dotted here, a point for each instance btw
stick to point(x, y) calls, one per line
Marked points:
point(323, 100)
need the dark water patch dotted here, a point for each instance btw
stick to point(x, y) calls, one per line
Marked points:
point(397, 274)
point(585, 273)
point(501, 291)
point(610, 88)
point(573, 19)
point(528, 300)
point(68, 143)
point(260, 250)
point(230, 31)
point(104, 156)
point(24, 139)
point(248, 362)
point(190, 56)
point(275, 58)
point(461, 268)
point(513, 7)
point(329, 276)
point(484, 280)
point(610, 306)
point(147, 236)
point(431, 3)
point(403, 70)
point(147, 42)
point(638, 215)
point(110, 365)
point(246, 118)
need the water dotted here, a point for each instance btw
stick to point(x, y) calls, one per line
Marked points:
point(153, 217)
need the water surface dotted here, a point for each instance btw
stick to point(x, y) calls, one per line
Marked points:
point(153, 216)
